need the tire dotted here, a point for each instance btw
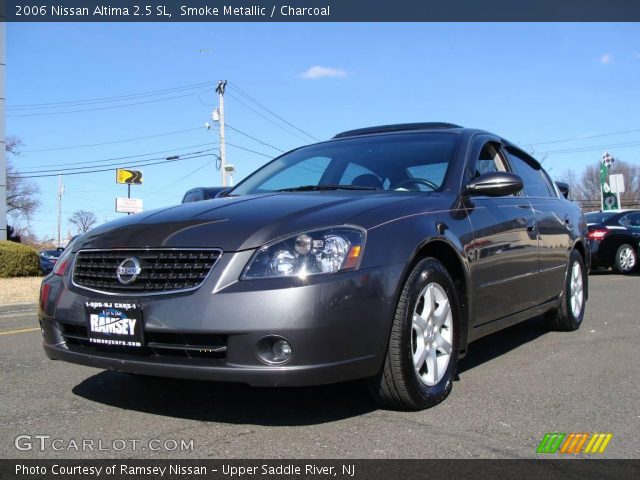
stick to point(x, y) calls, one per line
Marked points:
point(626, 259)
point(568, 317)
point(400, 384)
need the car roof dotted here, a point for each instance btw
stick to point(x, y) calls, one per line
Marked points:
point(430, 127)
point(399, 127)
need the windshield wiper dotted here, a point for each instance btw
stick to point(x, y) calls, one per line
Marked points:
point(311, 188)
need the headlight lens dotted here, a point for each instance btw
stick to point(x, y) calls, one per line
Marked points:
point(328, 250)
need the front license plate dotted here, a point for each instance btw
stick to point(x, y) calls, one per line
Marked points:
point(115, 323)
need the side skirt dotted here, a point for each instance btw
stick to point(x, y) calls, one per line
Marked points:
point(504, 322)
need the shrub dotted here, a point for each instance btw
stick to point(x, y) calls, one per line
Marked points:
point(18, 260)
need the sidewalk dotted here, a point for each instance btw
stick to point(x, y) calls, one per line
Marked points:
point(18, 307)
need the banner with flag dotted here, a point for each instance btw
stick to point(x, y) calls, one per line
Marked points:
point(609, 200)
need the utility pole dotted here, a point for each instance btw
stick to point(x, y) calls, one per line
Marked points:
point(3, 145)
point(60, 193)
point(222, 84)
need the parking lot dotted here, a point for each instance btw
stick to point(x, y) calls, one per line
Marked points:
point(513, 387)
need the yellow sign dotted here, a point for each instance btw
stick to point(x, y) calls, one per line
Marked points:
point(132, 177)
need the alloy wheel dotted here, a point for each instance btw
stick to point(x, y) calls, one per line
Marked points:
point(576, 290)
point(627, 259)
point(432, 334)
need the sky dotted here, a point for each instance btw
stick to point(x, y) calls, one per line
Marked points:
point(557, 90)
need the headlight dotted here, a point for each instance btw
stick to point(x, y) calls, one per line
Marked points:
point(328, 250)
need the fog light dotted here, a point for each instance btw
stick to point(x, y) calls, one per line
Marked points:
point(281, 350)
point(274, 349)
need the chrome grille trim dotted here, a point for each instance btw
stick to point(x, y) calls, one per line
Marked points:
point(121, 253)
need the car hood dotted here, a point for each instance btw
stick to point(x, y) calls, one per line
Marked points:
point(236, 223)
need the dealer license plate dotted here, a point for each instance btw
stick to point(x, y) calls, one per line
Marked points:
point(115, 323)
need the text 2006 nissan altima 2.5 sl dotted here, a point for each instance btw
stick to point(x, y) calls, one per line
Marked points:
point(380, 254)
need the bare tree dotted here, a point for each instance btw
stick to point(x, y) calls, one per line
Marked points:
point(586, 188)
point(83, 220)
point(22, 194)
point(571, 178)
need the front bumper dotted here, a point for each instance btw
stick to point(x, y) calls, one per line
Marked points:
point(338, 326)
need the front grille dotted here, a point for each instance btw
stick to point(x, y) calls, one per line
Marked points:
point(157, 344)
point(161, 270)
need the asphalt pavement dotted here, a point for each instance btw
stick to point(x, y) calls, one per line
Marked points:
point(513, 387)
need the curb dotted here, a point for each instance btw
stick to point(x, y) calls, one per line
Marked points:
point(18, 307)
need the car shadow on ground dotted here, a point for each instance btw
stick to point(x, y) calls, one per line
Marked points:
point(497, 344)
point(240, 404)
point(606, 272)
point(228, 402)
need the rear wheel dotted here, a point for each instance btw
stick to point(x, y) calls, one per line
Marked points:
point(626, 259)
point(423, 347)
point(568, 316)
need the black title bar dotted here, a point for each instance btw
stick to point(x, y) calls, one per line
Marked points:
point(315, 469)
point(320, 10)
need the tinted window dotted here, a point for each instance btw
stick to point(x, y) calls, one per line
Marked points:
point(489, 160)
point(533, 177)
point(355, 174)
point(197, 196)
point(386, 162)
point(598, 217)
point(631, 220)
point(307, 172)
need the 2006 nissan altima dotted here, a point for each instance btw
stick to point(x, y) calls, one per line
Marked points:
point(380, 254)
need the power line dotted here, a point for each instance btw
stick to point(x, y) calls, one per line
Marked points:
point(253, 138)
point(249, 150)
point(590, 149)
point(155, 192)
point(131, 164)
point(109, 99)
point(99, 108)
point(121, 158)
point(582, 138)
point(250, 98)
point(69, 147)
point(110, 169)
point(282, 127)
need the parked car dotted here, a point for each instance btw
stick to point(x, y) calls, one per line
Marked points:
point(48, 259)
point(614, 239)
point(203, 193)
point(379, 254)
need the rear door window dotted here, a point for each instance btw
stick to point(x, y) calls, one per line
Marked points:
point(534, 179)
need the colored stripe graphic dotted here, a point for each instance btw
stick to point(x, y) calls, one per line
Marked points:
point(598, 443)
point(550, 443)
point(572, 443)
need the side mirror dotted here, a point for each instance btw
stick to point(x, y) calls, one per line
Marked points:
point(564, 189)
point(222, 193)
point(494, 184)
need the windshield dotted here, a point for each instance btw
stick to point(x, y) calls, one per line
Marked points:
point(403, 162)
point(599, 217)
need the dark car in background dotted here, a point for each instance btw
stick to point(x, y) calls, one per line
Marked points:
point(202, 193)
point(48, 259)
point(614, 239)
point(380, 254)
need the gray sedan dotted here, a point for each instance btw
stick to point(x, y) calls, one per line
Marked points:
point(380, 255)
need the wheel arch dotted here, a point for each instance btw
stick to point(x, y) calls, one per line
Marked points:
point(446, 253)
point(581, 249)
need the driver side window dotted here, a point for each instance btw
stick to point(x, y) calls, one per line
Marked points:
point(490, 160)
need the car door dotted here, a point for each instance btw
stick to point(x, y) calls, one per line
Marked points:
point(504, 253)
point(554, 222)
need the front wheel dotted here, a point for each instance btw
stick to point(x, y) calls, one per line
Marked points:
point(626, 259)
point(423, 347)
point(568, 316)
